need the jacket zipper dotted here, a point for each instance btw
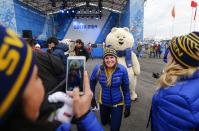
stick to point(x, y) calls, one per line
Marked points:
point(111, 95)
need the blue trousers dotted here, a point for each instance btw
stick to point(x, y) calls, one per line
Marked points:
point(112, 115)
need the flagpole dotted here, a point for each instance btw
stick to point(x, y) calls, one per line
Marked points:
point(173, 14)
point(173, 26)
point(194, 24)
point(191, 20)
point(195, 17)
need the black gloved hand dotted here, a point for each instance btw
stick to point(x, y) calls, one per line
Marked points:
point(127, 113)
point(156, 75)
point(93, 103)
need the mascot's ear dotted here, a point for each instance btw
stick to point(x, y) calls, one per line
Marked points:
point(113, 29)
point(104, 45)
point(126, 29)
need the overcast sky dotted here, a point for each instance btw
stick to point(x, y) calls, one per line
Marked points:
point(158, 19)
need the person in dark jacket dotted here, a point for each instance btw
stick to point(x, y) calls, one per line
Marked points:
point(22, 92)
point(80, 50)
point(59, 51)
point(114, 92)
point(51, 69)
point(176, 101)
point(51, 43)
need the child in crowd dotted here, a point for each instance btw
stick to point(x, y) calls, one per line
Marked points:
point(37, 46)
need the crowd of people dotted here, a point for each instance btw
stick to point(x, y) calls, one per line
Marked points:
point(28, 76)
point(154, 49)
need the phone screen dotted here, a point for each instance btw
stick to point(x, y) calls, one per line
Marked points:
point(75, 73)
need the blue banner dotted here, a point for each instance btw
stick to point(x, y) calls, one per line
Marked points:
point(111, 22)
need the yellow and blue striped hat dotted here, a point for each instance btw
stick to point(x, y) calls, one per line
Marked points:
point(16, 67)
point(109, 51)
point(185, 50)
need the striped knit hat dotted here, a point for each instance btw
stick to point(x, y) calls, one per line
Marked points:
point(110, 51)
point(185, 49)
point(16, 67)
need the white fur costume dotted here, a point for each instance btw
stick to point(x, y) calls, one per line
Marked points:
point(65, 113)
point(71, 46)
point(120, 39)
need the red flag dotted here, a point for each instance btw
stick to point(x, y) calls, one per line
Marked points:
point(194, 4)
point(173, 12)
point(195, 14)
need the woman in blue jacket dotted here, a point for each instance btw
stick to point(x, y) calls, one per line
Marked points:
point(114, 92)
point(175, 105)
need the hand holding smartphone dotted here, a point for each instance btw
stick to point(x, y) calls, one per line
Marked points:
point(75, 73)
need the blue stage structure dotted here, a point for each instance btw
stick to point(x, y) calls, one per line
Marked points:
point(43, 26)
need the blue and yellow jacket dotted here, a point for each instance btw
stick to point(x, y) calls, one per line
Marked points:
point(116, 94)
point(87, 123)
point(177, 108)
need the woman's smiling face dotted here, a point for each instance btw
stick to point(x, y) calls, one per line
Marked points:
point(110, 61)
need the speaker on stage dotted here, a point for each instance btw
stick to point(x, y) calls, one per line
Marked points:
point(27, 33)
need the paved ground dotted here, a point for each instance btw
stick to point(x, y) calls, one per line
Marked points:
point(145, 88)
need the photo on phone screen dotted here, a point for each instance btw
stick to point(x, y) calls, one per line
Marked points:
point(75, 73)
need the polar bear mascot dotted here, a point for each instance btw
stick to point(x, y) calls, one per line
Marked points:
point(71, 46)
point(122, 41)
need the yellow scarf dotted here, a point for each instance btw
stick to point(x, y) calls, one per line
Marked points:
point(109, 73)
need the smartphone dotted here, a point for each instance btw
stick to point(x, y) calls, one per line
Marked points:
point(75, 73)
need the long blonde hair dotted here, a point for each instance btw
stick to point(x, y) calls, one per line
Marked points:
point(173, 72)
point(109, 76)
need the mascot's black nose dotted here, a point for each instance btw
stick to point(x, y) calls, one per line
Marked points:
point(120, 41)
